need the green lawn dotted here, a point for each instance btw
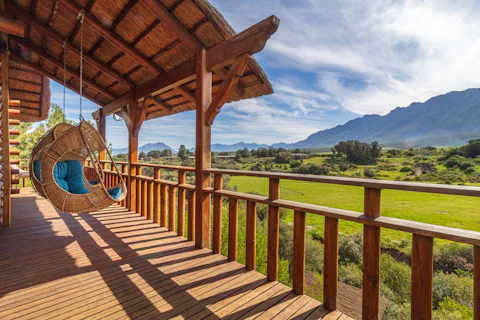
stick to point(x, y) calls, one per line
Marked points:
point(446, 210)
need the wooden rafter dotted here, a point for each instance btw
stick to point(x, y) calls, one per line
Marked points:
point(25, 17)
point(59, 64)
point(186, 93)
point(50, 75)
point(109, 35)
point(12, 27)
point(172, 24)
point(228, 85)
point(249, 41)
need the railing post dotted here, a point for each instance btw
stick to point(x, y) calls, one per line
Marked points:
point(138, 199)
point(273, 231)
point(371, 256)
point(156, 195)
point(476, 282)
point(181, 203)
point(251, 238)
point(299, 251)
point(171, 208)
point(330, 264)
point(163, 205)
point(150, 199)
point(217, 214)
point(422, 277)
point(232, 229)
point(144, 197)
point(132, 188)
point(124, 170)
point(191, 215)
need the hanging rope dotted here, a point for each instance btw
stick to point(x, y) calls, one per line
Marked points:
point(64, 77)
point(80, 17)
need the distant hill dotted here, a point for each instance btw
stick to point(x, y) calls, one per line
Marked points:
point(217, 147)
point(446, 120)
point(148, 147)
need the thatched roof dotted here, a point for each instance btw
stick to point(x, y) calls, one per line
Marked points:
point(110, 68)
point(33, 91)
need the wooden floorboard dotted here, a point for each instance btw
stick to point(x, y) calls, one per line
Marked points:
point(114, 264)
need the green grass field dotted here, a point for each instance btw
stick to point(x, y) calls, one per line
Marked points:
point(446, 210)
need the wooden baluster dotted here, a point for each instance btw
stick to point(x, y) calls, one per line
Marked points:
point(330, 264)
point(156, 196)
point(139, 190)
point(371, 257)
point(150, 199)
point(171, 208)
point(273, 231)
point(476, 282)
point(422, 277)
point(251, 238)
point(232, 229)
point(163, 205)
point(217, 215)
point(191, 215)
point(181, 204)
point(124, 171)
point(144, 197)
point(299, 251)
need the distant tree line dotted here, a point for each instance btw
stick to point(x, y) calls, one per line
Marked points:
point(358, 152)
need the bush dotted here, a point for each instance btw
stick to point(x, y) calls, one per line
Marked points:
point(369, 173)
point(458, 288)
point(350, 248)
point(295, 163)
point(406, 169)
point(351, 274)
point(343, 166)
point(470, 170)
point(467, 164)
point(314, 169)
point(454, 161)
point(396, 276)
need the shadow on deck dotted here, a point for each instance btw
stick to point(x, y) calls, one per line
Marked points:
point(112, 264)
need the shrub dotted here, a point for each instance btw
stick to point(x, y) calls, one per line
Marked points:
point(396, 276)
point(454, 161)
point(343, 166)
point(470, 170)
point(406, 169)
point(458, 288)
point(350, 248)
point(369, 173)
point(314, 169)
point(350, 274)
point(467, 164)
point(295, 163)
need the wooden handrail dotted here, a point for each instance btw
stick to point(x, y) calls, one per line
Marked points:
point(365, 183)
point(153, 165)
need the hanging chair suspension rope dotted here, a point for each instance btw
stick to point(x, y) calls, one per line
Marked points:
point(80, 17)
point(64, 77)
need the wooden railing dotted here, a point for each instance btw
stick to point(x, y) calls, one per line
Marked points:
point(161, 209)
point(423, 235)
point(163, 201)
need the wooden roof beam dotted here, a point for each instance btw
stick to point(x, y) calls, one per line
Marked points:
point(250, 41)
point(59, 64)
point(46, 73)
point(109, 35)
point(12, 27)
point(172, 23)
point(186, 94)
point(25, 17)
point(222, 95)
point(239, 89)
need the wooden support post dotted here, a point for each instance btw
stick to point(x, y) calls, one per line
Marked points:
point(7, 176)
point(102, 129)
point(273, 231)
point(171, 208)
point(232, 229)
point(203, 152)
point(371, 257)
point(156, 196)
point(163, 205)
point(191, 215)
point(476, 283)
point(181, 204)
point(330, 264)
point(299, 251)
point(217, 215)
point(132, 158)
point(422, 277)
point(251, 238)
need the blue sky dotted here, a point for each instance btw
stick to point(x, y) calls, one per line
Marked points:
point(329, 62)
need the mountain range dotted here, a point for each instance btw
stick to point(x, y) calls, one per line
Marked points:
point(450, 119)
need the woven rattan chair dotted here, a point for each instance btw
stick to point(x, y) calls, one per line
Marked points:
point(66, 142)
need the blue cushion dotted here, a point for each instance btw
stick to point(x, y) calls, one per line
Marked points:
point(115, 192)
point(59, 174)
point(36, 169)
point(93, 182)
point(74, 177)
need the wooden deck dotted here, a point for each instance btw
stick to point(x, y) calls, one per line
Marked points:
point(115, 264)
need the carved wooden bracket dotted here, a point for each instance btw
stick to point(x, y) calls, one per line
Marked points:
point(11, 26)
point(228, 85)
point(140, 116)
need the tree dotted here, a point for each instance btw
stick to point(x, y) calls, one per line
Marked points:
point(358, 152)
point(472, 149)
point(154, 154)
point(183, 152)
point(167, 153)
point(242, 153)
point(142, 155)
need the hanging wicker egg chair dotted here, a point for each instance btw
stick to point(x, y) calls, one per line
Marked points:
point(57, 170)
